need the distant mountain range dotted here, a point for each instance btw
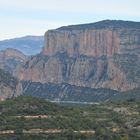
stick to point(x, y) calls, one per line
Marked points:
point(29, 45)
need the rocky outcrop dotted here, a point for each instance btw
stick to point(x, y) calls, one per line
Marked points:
point(85, 55)
point(13, 53)
point(9, 86)
point(10, 58)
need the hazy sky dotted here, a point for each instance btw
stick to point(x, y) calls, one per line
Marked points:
point(34, 17)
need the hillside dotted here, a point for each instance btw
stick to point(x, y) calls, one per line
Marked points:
point(67, 92)
point(29, 45)
point(37, 119)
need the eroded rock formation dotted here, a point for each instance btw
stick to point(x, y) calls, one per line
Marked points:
point(9, 86)
point(10, 58)
point(85, 55)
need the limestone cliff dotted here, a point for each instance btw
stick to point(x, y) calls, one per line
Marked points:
point(89, 42)
point(87, 55)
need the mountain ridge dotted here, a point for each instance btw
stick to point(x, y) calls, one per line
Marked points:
point(29, 45)
point(103, 24)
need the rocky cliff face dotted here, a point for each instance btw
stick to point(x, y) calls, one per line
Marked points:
point(87, 55)
point(89, 42)
point(9, 86)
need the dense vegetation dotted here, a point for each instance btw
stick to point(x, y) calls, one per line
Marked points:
point(110, 121)
point(132, 95)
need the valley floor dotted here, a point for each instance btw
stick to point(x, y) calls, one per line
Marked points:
point(37, 119)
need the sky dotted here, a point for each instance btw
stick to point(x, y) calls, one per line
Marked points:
point(34, 17)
